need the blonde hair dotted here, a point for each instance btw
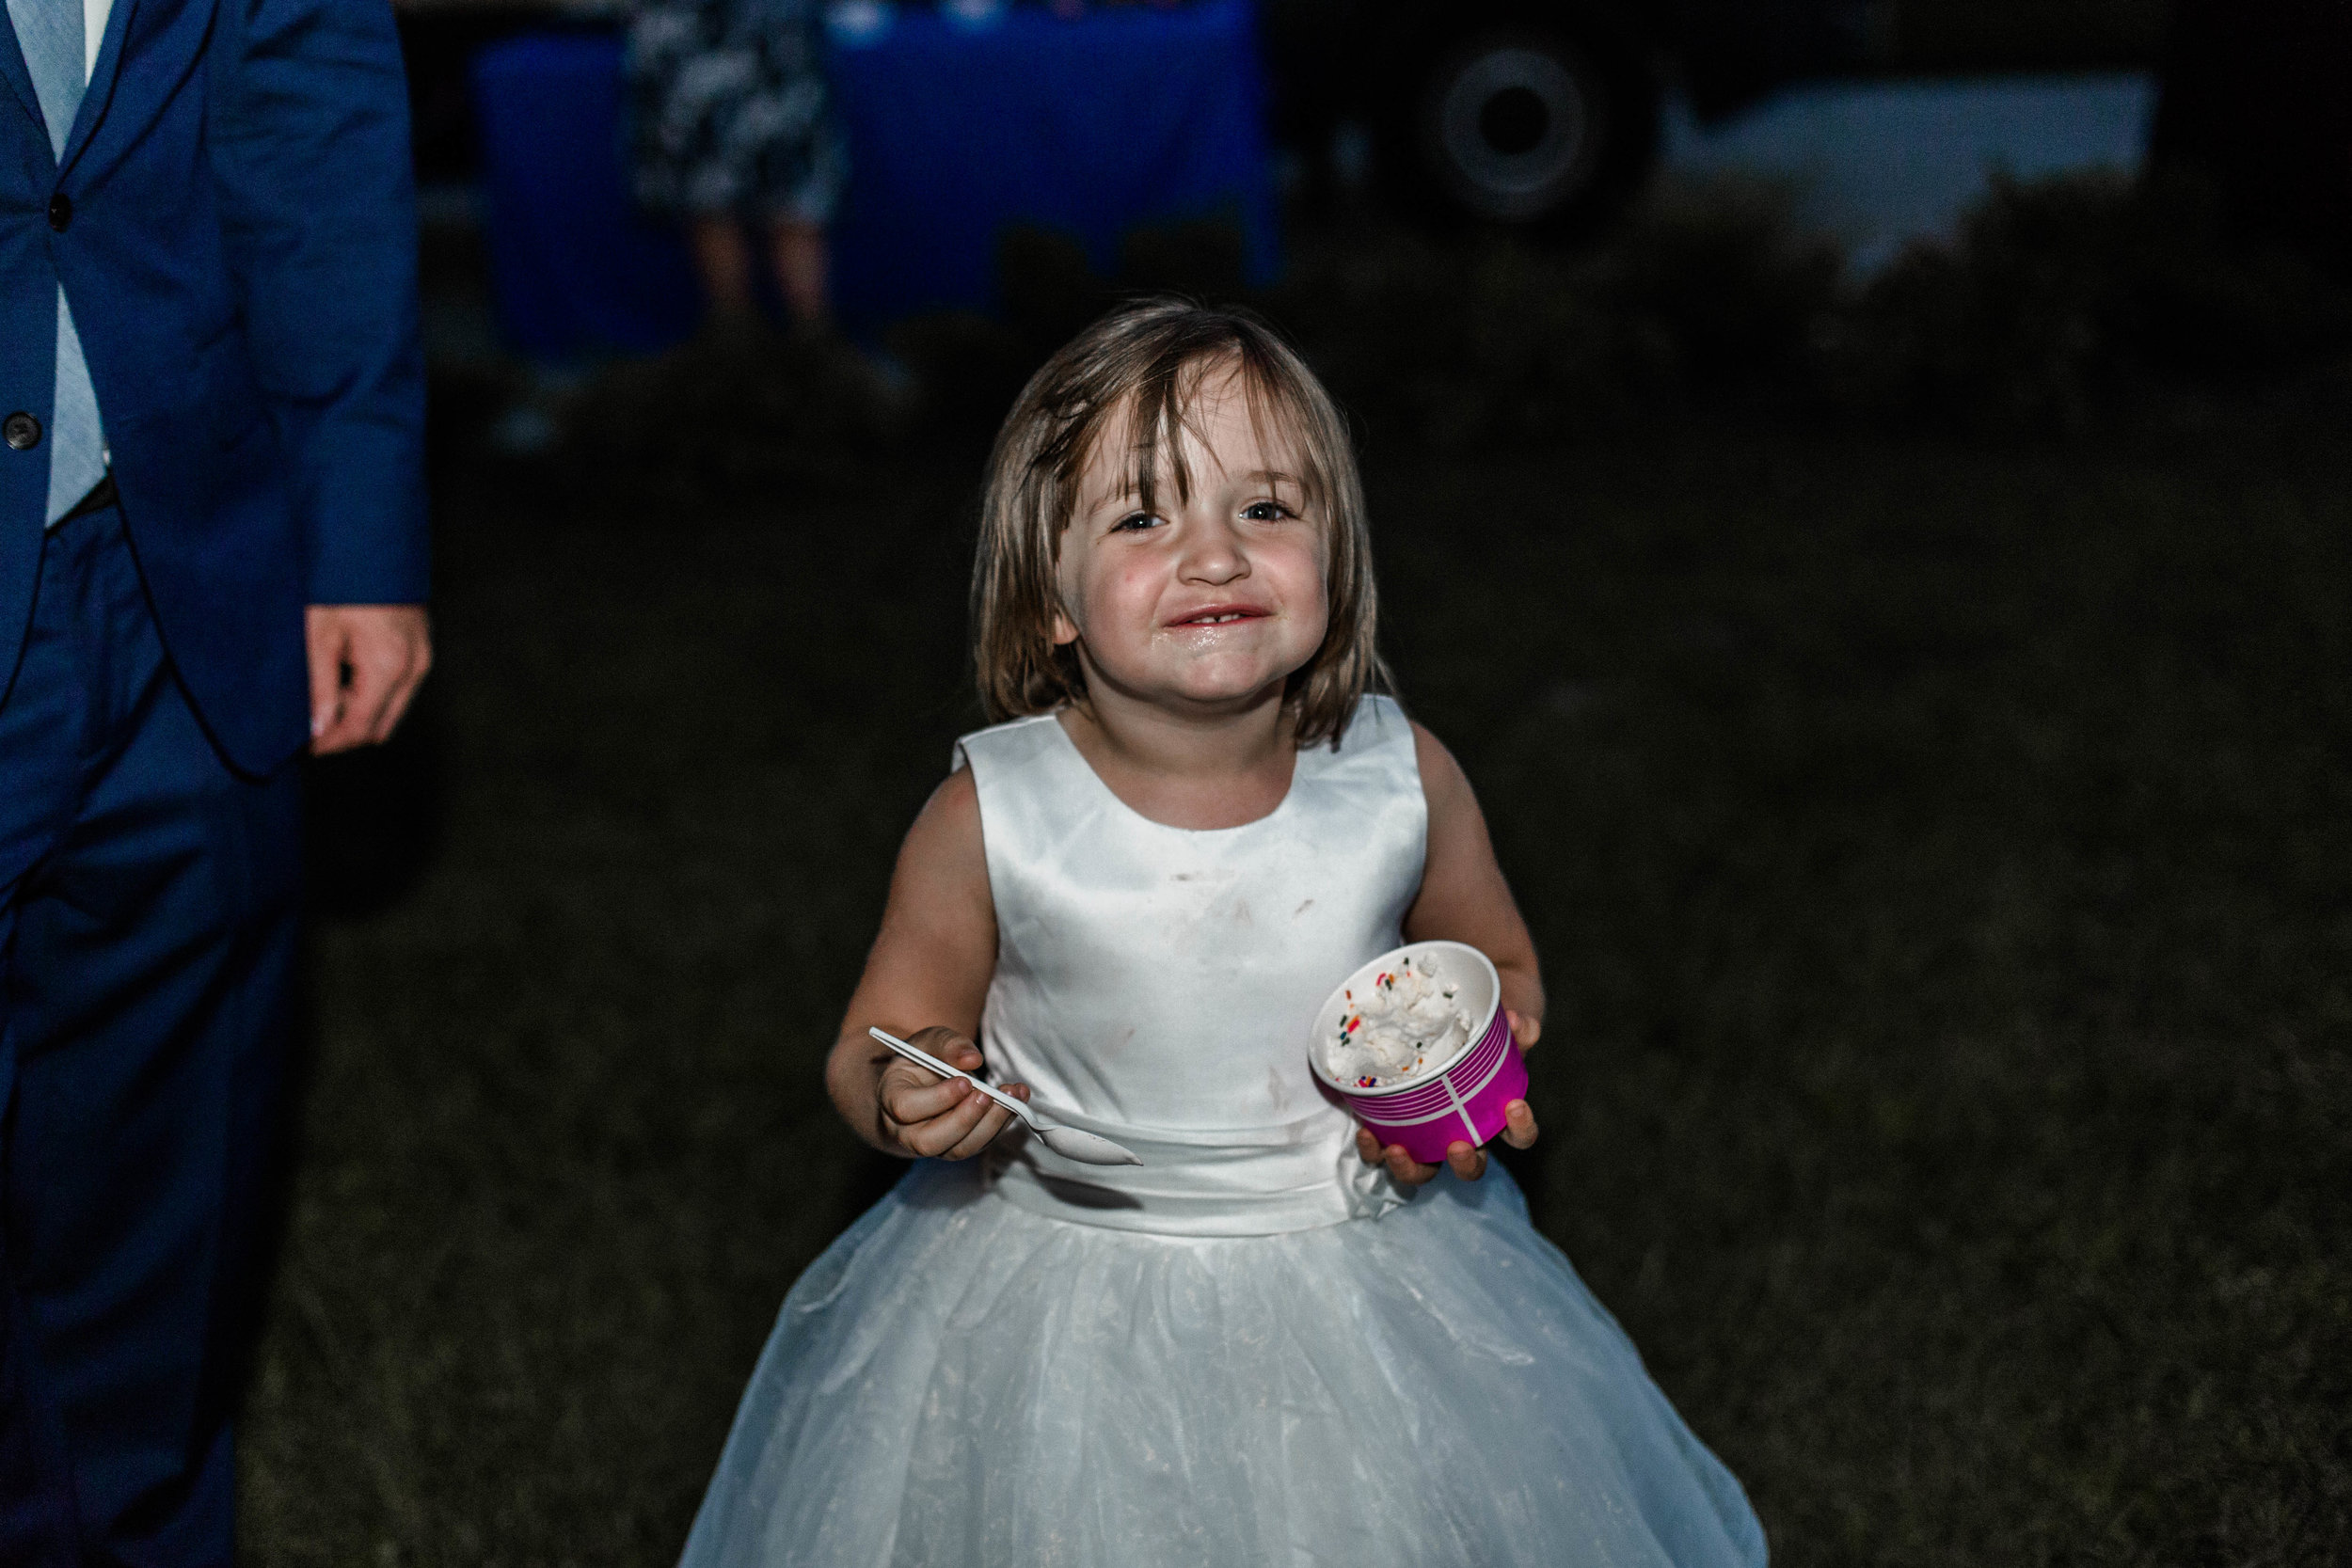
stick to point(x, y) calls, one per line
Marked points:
point(1147, 361)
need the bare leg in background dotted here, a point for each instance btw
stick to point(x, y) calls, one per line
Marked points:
point(797, 252)
point(723, 261)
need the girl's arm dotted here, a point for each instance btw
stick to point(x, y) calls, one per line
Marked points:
point(1463, 896)
point(925, 981)
point(1464, 899)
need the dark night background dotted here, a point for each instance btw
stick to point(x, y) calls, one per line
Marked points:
point(1913, 712)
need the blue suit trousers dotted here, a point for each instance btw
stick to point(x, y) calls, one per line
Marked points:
point(148, 901)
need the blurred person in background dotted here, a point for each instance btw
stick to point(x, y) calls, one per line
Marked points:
point(212, 553)
point(731, 132)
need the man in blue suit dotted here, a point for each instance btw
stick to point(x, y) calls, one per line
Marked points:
point(211, 530)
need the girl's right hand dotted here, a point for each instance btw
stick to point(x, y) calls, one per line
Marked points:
point(920, 1113)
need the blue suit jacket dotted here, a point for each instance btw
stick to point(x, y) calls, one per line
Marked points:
point(241, 260)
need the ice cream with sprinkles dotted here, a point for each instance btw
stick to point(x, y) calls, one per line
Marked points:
point(1404, 1020)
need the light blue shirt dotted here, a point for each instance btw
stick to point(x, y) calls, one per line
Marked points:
point(60, 65)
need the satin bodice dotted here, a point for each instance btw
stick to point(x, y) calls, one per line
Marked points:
point(1158, 983)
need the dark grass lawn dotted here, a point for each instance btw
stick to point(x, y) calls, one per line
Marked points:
point(1940, 855)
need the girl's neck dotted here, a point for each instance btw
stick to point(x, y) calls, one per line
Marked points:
point(1214, 769)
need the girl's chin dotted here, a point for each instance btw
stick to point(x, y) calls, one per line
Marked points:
point(1226, 693)
point(1197, 688)
point(1201, 677)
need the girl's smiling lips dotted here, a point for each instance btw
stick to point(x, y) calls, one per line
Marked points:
point(1220, 616)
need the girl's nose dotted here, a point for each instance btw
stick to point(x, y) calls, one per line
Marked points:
point(1214, 553)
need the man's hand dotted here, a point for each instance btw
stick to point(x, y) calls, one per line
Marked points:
point(366, 660)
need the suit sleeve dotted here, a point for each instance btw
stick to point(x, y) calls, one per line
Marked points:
point(309, 126)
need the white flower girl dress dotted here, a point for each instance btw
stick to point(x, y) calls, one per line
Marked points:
point(1250, 1350)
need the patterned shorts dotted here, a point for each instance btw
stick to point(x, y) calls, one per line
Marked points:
point(728, 110)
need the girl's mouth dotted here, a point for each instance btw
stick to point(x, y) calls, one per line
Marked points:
point(1222, 615)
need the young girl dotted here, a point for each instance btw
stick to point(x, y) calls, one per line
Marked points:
point(1274, 1342)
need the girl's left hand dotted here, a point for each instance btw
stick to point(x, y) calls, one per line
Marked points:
point(1470, 1163)
point(1519, 1130)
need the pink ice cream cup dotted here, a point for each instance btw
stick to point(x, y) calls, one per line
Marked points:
point(1443, 1104)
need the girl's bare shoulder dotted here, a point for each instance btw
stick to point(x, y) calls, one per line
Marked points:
point(946, 832)
point(1443, 784)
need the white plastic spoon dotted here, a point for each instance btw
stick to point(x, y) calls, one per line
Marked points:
point(1071, 1143)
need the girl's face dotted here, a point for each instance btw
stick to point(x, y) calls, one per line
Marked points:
point(1201, 604)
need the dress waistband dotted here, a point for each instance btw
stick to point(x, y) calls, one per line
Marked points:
point(1229, 1182)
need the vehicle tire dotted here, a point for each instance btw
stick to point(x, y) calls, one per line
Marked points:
point(1542, 129)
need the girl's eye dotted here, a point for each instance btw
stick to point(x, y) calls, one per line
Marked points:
point(1135, 522)
point(1267, 512)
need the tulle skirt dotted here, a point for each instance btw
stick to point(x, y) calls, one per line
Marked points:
point(961, 1382)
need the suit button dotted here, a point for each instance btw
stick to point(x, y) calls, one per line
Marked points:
point(61, 212)
point(21, 431)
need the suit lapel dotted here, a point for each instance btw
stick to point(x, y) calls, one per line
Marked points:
point(19, 77)
point(102, 81)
